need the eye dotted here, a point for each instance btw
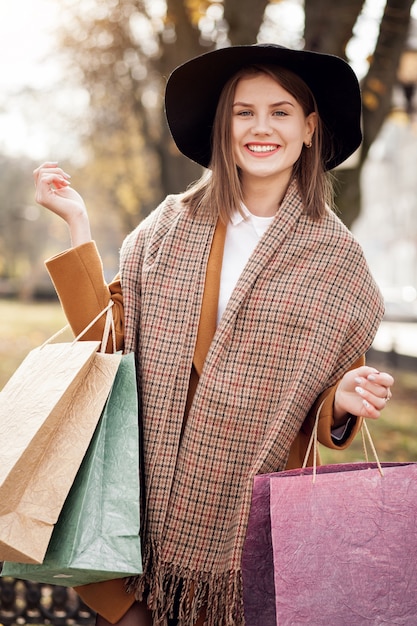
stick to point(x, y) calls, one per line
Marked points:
point(244, 113)
point(280, 113)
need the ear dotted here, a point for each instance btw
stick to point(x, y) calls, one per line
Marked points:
point(310, 127)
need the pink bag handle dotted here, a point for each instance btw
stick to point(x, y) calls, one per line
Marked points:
point(314, 441)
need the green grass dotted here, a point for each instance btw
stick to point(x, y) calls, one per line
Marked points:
point(24, 326)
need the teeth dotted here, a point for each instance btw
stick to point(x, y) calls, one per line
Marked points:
point(262, 148)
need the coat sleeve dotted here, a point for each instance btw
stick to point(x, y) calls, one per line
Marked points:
point(325, 425)
point(77, 275)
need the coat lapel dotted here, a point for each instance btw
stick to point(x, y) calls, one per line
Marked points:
point(267, 249)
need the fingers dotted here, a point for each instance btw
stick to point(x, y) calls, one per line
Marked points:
point(49, 179)
point(374, 388)
point(48, 172)
point(376, 383)
point(47, 165)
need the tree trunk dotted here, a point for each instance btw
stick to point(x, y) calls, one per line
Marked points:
point(382, 75)
point(329, 26)
point(176, 171)
point(244, 18)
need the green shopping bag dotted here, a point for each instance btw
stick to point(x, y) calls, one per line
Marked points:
point(97, 534)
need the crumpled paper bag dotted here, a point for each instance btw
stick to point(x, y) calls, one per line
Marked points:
point(49, 410)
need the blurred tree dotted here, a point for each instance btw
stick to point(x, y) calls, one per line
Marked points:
point(22, 229)
point(122, 51)
point(329, 27)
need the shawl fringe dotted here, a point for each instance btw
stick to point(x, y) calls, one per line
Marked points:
point(174, 591)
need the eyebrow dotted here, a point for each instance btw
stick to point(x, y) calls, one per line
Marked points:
point(273, 105)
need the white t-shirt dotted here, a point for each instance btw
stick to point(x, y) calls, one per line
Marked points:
point(242, 237)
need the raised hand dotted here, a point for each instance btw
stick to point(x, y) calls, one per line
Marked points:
point(53, 191)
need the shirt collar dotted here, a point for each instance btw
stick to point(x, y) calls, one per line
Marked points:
point(237, 216)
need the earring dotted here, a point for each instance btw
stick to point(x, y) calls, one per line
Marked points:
point(308, 145)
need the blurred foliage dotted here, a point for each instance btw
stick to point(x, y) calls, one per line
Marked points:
point(118, 182)
point(23, 226)
point(117, 55)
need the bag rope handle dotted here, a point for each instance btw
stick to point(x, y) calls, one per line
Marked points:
point(109, 326)
point(365, 431)
point(314, 441)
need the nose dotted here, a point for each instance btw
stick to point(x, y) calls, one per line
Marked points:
point(261, 125)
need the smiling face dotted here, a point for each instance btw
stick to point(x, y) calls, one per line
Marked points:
point(269, 128)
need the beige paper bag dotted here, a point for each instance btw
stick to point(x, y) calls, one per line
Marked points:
point(48, 413)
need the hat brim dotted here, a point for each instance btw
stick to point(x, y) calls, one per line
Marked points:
point(193, 90)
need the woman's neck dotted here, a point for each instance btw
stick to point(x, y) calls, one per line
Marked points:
point(263, 198)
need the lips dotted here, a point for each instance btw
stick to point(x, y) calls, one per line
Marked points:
point(264, 148)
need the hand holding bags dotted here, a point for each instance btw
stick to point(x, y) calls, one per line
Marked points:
point(48, 412)
point(97, 535)
point(337, 550)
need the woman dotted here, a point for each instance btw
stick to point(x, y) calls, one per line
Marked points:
point(248, 305)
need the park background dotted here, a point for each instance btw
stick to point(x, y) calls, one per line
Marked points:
point(82, 82)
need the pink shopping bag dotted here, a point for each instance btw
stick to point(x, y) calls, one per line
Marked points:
point(342, 549)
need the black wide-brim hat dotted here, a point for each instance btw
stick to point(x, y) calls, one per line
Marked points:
point(193, 91)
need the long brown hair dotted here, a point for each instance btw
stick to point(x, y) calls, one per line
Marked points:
point(219, 191)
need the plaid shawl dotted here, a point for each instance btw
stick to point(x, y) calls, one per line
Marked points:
point(304, 309)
